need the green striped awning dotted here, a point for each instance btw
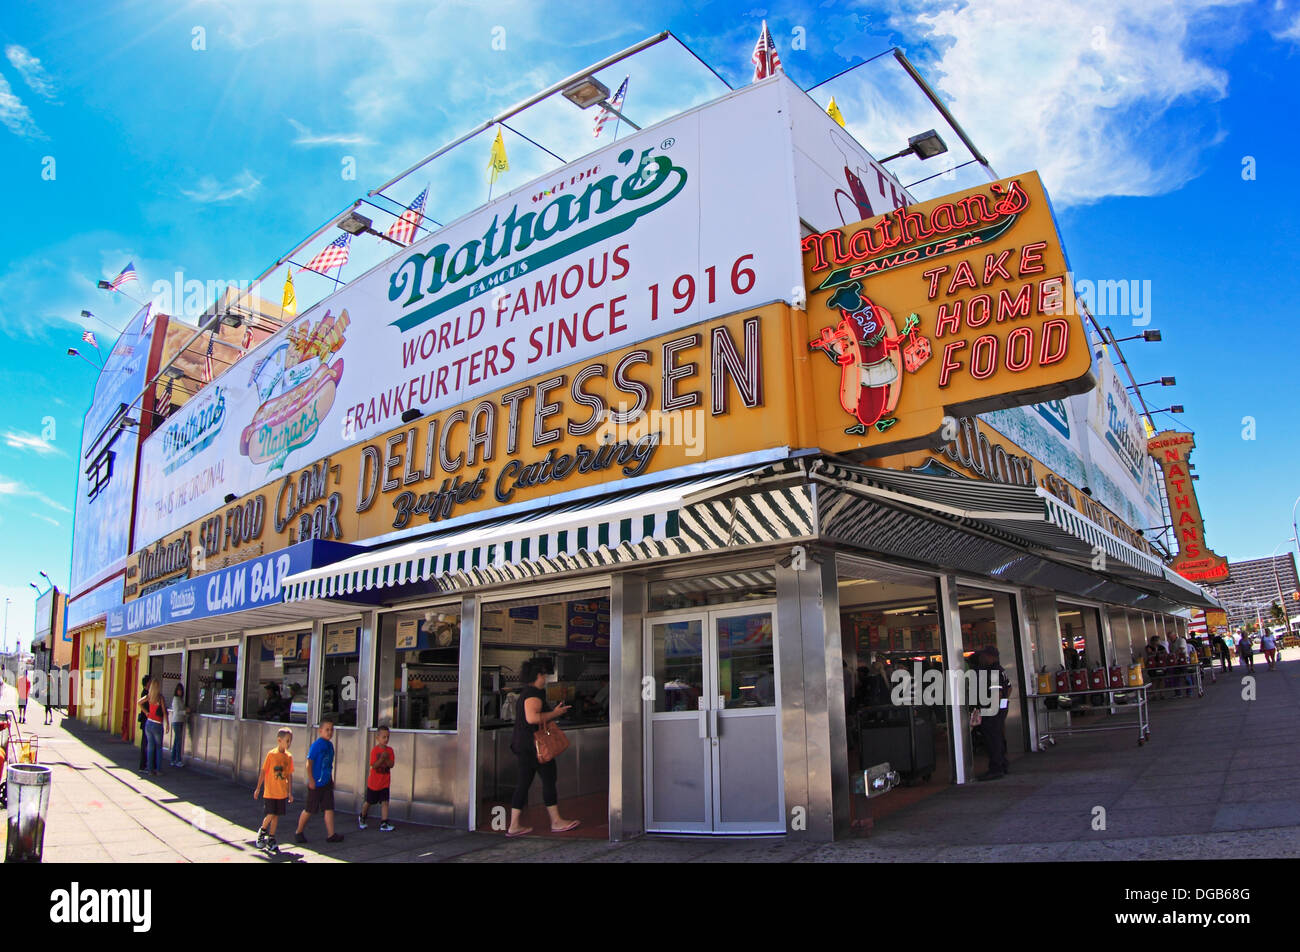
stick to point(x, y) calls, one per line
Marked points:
point(719, 512)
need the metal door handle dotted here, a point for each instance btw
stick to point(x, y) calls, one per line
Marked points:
point(704, 724)
point(713, 716)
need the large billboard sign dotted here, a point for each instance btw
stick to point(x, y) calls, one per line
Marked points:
point(1195, 560)
point(666, 228)
point(947, 308)
point(709, 394)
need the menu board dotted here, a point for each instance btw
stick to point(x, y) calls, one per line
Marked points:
point(587, 624)
point(408, 634)
point(287, 647)
point(341, 639)
point(551, 626)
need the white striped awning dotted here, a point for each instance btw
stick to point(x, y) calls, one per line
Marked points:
point(1020, 515)
point(655, 523)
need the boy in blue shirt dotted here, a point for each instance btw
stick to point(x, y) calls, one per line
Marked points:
point(320, 784)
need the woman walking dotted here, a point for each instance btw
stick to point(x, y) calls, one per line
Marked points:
point(154, 710)
point(531, 713)
point(179, 714)
point(1246, 652)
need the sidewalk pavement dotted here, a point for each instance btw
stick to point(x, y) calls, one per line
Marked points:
point(1215, 781)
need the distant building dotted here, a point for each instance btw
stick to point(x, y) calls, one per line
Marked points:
point(1254, 584)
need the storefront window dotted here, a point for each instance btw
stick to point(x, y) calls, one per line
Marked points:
point(276, 689)
point(1080, 637)
point(569, 632)
point(211, 681)
point(417, 674)
point(339, 676)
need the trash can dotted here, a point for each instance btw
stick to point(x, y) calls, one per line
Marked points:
point(29, 801)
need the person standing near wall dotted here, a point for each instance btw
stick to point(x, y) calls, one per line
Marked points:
point(993, 726)
point(140, 722)
point(179, 715)
point(155, 725)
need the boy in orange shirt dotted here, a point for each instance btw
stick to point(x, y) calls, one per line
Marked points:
point(277, 775)
point(378, 780)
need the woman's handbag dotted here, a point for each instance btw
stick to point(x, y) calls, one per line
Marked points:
point(550, 742)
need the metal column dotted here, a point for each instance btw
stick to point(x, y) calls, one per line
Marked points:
point(627, 604)
point(960, 755)
point(365, 696)
point(814, 735)
point(467, 716)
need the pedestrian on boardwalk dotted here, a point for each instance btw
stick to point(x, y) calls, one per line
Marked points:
point(378, 779)
point(1246, 652)
point(320, 784)
point(1270, 649)
point(155, 725)
point(532, 712)
point(276, 777)
point(179, 715)
point(24, 687)
point(993, 726)
point(1225, 653)
point(140, 720)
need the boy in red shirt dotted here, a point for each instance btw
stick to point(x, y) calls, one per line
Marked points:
point(377, 781)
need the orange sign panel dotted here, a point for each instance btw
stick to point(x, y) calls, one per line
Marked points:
point(1195, 560)
point(948, 308)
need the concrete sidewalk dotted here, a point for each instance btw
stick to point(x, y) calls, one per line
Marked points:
point(1215, 781)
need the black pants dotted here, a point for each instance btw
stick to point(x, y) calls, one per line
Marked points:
point(995, 740)
point(528, 766)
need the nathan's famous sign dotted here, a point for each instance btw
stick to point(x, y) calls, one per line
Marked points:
point(946, 308)
point(1195, 560)
point(711, 392)
point(645, 237)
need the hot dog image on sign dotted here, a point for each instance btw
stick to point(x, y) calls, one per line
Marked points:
point(297, 383)
point(946, 308)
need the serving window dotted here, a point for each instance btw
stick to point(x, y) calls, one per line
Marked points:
point(276, 686)
point(417, 671)
point(339, 674)
point(210, 681)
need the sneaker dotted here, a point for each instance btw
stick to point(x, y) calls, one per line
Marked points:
point(336, 838)
point(271, 845)
point(261, 839)
point(386, 827)
point(361, 822)
point(299, 838)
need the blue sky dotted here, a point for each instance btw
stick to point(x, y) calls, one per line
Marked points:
point(210, 137)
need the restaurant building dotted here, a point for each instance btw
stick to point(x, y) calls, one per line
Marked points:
point(718, 459)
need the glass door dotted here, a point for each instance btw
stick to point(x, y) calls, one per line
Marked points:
point(713, 758)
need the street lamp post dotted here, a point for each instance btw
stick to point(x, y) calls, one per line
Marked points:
point(1281, 602)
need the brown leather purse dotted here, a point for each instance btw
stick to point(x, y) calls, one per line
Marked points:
point(550, 742)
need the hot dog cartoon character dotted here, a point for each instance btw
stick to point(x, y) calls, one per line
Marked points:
point(868, 347)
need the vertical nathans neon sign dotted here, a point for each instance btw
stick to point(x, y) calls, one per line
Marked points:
point(1195, 561)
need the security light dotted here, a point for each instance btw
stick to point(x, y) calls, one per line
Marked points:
point(924, 146)
point(411, 414)
point(586, 92)
point(354, 223)
point(1167, 381)
point(1151, 336)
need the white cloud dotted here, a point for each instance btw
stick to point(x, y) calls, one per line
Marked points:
point(31, 70)
point(15, 115)
point(9, 487)
point(1291, 32)
point(209, 190)
point(308, 138)
point(29, 441)
point(1082, 92)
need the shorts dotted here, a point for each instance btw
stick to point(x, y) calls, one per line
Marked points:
point(321, 798)
point(376, 796)
point(274, 807)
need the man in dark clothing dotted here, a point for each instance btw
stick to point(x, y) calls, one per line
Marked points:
point(993, 727)
point(140, 719)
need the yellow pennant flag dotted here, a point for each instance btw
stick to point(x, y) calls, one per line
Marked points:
point(834, 112)
point(497, 162)
point(289, 303)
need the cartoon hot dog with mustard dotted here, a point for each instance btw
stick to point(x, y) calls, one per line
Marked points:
point(868, 348)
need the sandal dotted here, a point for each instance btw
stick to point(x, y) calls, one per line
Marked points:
point(520, 832)
point(571, 825)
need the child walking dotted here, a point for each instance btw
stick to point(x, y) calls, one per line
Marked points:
point(320, 784)
point(277, 778)
point(377, 781)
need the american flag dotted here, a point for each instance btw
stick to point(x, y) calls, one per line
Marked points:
point(333, 255)
point(616, 102)
point(766, 60)
point(207, 364)
point(165, 402)
point(403, 229)
point(128, 274)
point(89, 338)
